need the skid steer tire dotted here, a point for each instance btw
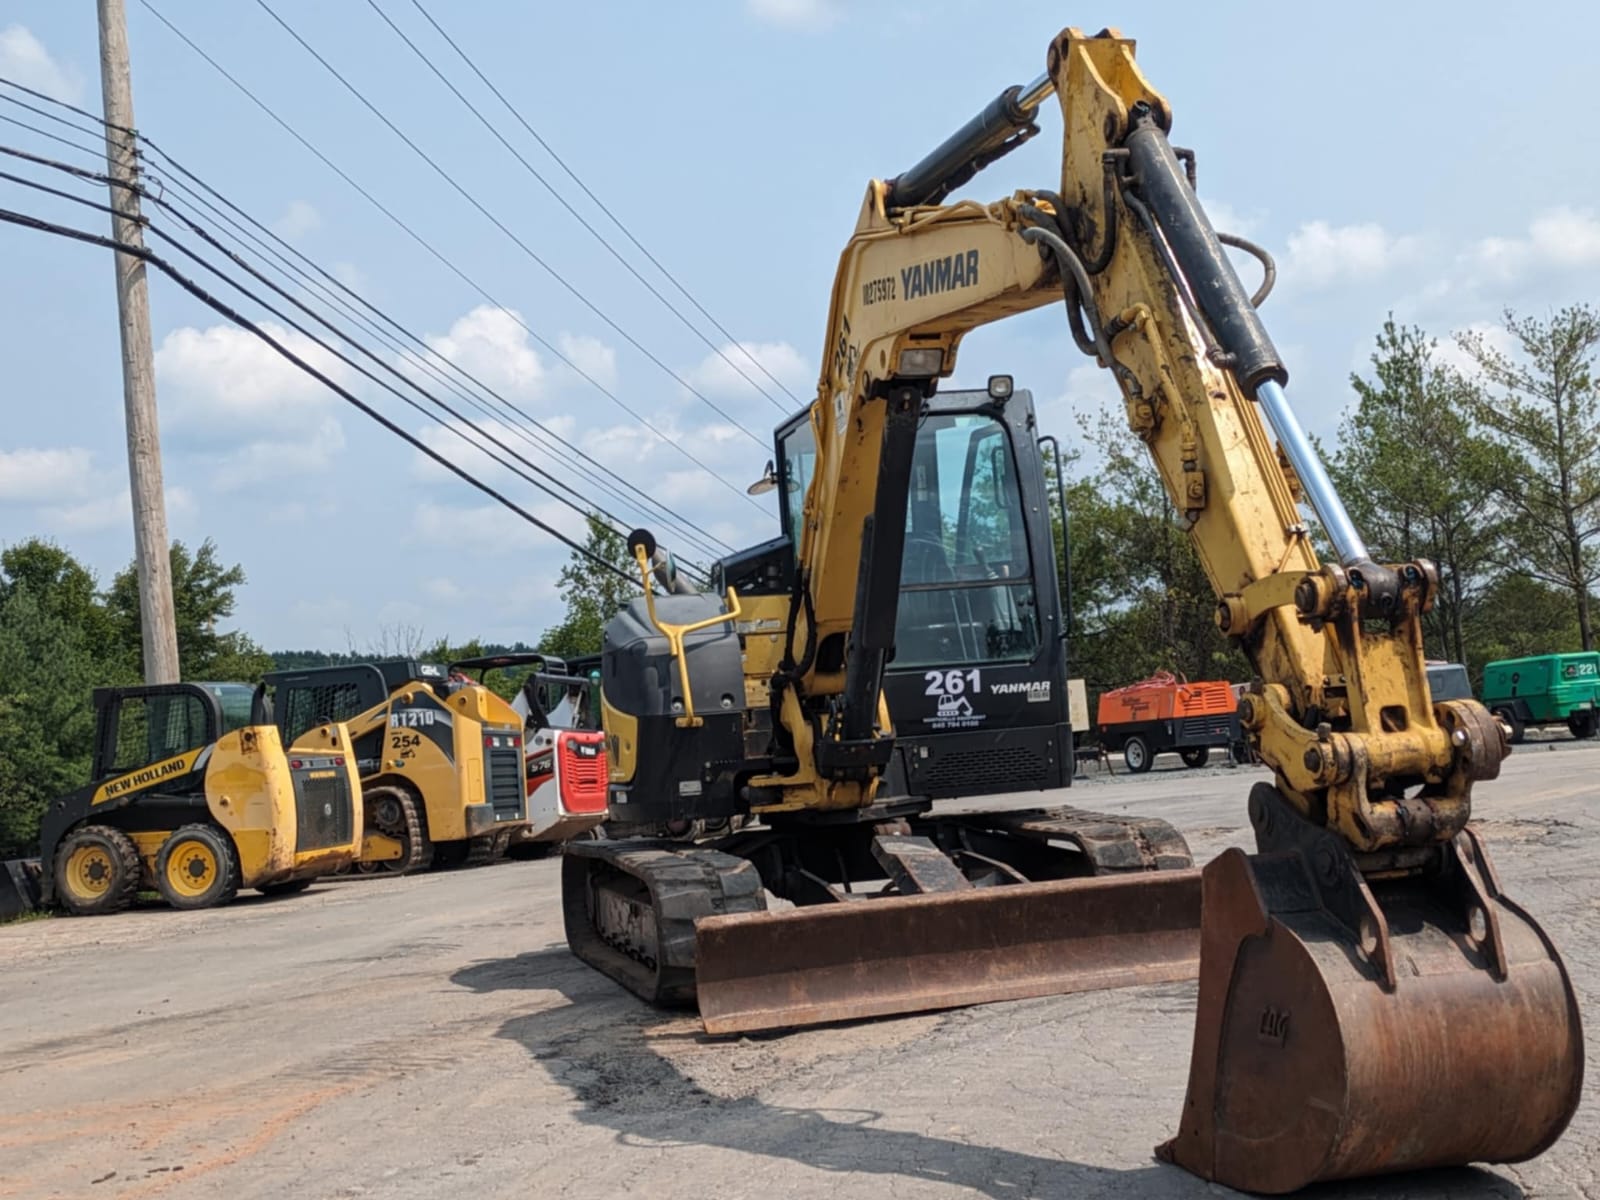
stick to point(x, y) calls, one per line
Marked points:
point(288, 887)
point(197, 867)
point(96, 871)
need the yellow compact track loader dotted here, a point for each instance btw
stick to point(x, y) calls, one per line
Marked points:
point(441, 764)
point(1370, 997)
point(192, 799)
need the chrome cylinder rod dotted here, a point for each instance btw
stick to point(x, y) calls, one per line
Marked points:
point(1307, 464)
point(1037, 92)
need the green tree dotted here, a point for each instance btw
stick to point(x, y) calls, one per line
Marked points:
point(593, 594)
point(62, 586)
point(203, 593)
point(1140, 601)
point(1545, 411)
point(49, 667)
point(1520, 616)
point(1418, 477)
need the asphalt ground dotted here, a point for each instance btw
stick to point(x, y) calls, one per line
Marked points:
point(432, 1036)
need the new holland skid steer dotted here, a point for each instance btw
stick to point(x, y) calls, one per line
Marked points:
point(192, 799)
point(441, 765)
point(1370, 999)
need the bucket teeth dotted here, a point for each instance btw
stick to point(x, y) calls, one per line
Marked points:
point(1438, 1029)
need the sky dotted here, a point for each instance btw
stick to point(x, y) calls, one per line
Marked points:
point(1424, 159)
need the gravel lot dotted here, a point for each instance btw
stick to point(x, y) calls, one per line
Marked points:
point(431, 1036)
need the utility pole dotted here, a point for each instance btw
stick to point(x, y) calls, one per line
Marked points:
point(138, 367)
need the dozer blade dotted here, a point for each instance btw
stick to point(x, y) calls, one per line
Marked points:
point(19, 887)
point(1349, 1027)
point(902, 954)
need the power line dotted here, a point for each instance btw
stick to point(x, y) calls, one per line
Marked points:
point(554, 351)
point(199, 293)
point(577, 216)
point(45, 133)
point(682, 527)
point(505, 229)
point(158, 232)
point(601, 205)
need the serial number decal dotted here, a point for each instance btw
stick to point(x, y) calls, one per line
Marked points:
point(876, 291)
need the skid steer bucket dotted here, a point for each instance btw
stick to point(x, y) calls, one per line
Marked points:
point(19, 887)
point(901, 954)
point(1348, 1028)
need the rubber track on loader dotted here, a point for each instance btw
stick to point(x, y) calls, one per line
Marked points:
point(481, 850)
point(680, 884)
point(1112, 842)
point(419, 850)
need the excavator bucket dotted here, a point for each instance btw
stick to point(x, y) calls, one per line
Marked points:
point(1349, 1027)
point(901, 954)
point(19, 887)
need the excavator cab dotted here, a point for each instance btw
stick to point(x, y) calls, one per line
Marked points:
point(977, 684)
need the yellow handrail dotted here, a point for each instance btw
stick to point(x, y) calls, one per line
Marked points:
point(675, 634)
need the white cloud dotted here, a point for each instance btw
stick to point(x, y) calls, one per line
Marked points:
point(806, 15)
point(1449, 352)
point(350, 275)
point(1225, 218)
point(1563, 238)
point(1088, 391)
point(310, 451)
point(24, 59)
point(110, 511)
point(1323, 255)
point(716, 374)
point(452, 441)
point(256, 415)
point(492, 344)
point(227, 384)
point(48, 476)
point(299, 219)
point(492, 530)
point(591, 356)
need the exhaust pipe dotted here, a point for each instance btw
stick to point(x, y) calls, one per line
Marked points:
point(665, 568)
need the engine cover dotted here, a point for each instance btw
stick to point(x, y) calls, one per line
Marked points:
point(661, 770)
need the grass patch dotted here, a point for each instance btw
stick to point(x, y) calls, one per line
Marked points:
point(37, 914)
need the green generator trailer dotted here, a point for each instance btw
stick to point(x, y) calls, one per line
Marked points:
point(1549, 689)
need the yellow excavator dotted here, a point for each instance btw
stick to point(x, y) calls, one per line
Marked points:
point(1370, 998)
